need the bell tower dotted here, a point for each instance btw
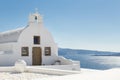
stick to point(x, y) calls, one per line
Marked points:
point(35, 17)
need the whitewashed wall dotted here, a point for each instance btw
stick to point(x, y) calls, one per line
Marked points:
point(6, 46)
point(7, 54)
point(46, 40)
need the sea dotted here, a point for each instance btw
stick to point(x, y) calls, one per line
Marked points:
point(96, 62)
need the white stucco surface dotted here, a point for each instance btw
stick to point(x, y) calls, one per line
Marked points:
point(10, 36)
point(84, 74)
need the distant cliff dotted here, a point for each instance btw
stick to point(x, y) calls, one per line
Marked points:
point(65, 51)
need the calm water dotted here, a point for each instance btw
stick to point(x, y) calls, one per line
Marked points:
point(96, 62)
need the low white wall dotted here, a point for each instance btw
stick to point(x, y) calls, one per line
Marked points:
point(7, 69)
point(65, 64)
point(65, 61)
point(40, 70)
point(74, 67)
point(51, 71)
point(8, 59)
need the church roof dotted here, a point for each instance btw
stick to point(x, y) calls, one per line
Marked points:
point(10, 36)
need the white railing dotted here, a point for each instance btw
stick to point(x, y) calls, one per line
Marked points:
point(65, 64)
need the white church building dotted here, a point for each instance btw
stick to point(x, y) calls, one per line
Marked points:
point(34, 44)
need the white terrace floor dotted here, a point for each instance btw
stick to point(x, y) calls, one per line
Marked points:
point(85, 74)
point(32, 73)
point(23, 76)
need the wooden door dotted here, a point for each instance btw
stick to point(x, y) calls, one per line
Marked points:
point(36, 56)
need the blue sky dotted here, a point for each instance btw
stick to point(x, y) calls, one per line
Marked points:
point(78, 24)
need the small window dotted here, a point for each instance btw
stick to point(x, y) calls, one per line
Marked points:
point(36, 39)
point(25, 51)
point(35, 17)
point(47, 51)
